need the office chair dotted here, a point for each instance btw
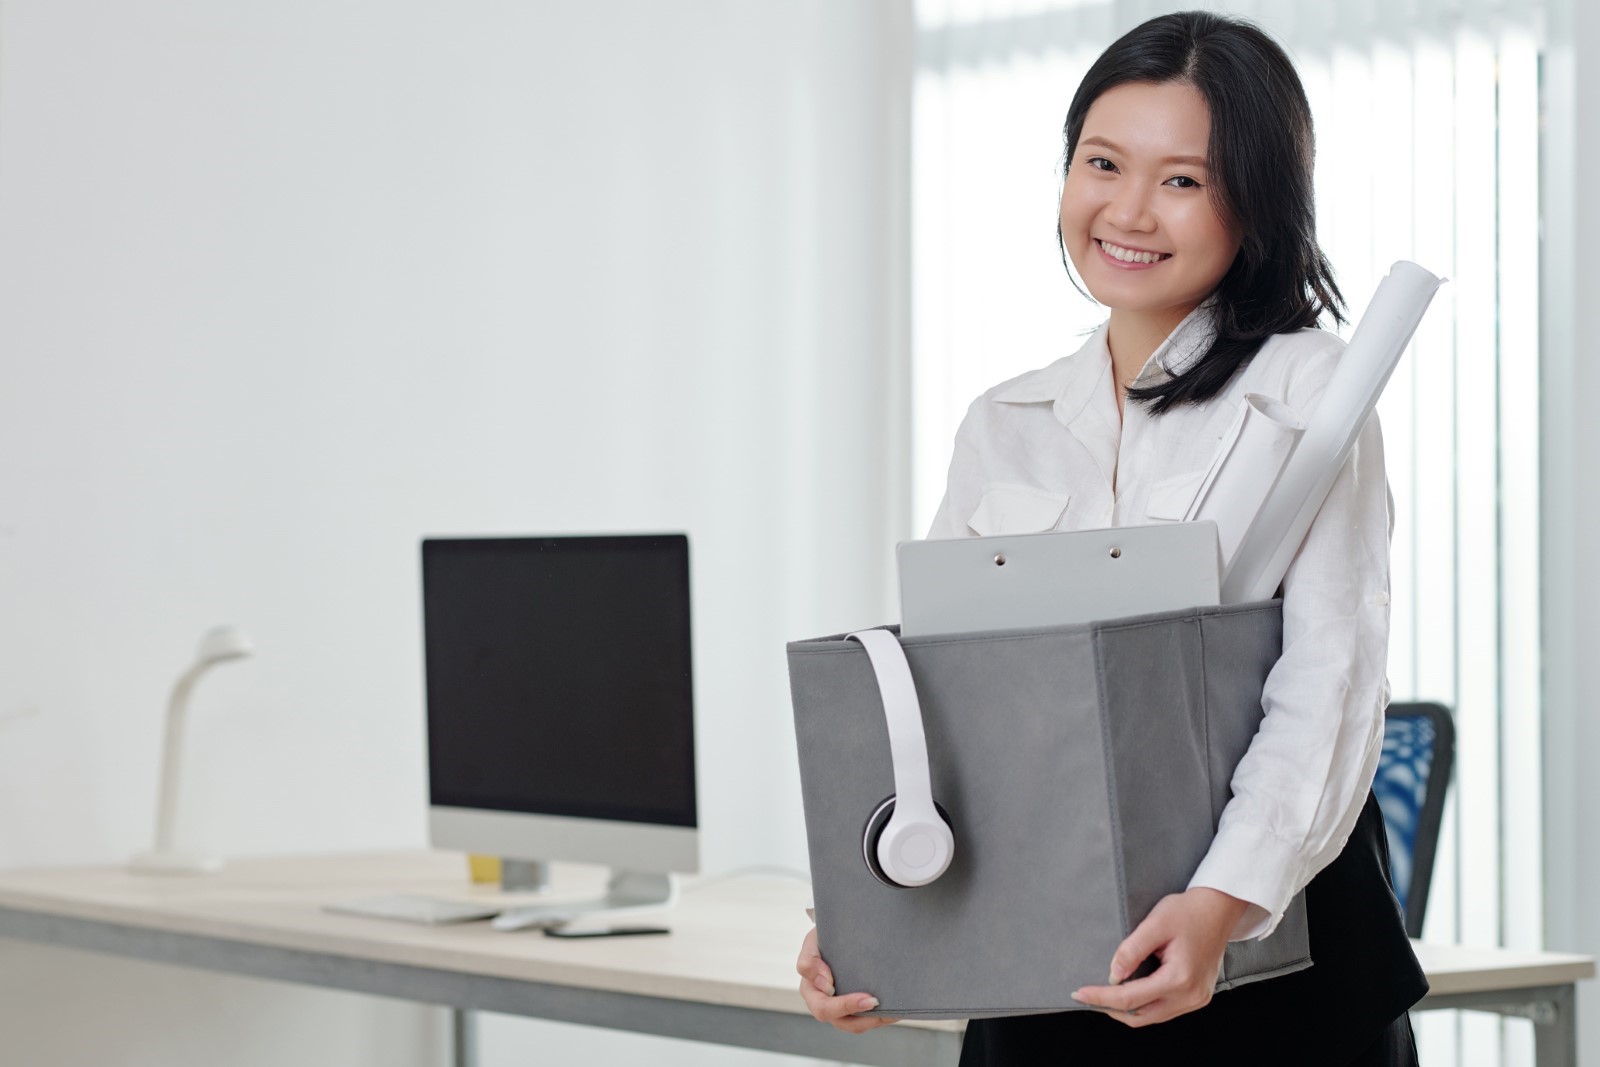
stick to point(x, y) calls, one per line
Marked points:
point(1413, 775)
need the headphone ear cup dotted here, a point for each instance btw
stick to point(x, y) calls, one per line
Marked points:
point(874, 832)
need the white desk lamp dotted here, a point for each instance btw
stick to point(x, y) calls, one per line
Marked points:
point(217, 646)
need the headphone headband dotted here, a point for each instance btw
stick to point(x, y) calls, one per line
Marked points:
point(916, 845)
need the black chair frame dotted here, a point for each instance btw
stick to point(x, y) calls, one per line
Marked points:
point(1440, 769)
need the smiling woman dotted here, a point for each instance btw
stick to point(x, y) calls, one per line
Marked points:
point(1187, 211)
point(1431, 142)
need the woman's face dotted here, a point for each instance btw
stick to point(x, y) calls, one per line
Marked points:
point(1136, 211)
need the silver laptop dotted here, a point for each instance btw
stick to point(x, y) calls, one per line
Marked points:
point(1055, 579)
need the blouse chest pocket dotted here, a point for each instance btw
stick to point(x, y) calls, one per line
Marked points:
point(1170, 498)
point(1017, 509)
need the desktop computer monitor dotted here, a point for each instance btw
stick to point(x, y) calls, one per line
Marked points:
point(560, 715)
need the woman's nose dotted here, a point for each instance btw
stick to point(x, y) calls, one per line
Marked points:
point(1129, 210)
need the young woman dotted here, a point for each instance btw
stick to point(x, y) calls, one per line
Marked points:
point(1187, 210)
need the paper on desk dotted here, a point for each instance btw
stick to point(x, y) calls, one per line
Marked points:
point(1270, 542)
point(1247, 467)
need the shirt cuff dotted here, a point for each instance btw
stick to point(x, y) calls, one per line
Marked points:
point(1247, 862)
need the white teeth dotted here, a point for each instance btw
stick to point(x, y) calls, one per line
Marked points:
point(1128, 255)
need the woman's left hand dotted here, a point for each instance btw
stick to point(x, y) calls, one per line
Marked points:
point(1187, 932)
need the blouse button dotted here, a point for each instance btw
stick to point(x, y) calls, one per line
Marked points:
point(1382, 600)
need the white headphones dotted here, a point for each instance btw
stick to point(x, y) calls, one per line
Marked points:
point(908, 841)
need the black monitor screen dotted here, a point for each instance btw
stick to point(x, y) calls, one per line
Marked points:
point(558, 677)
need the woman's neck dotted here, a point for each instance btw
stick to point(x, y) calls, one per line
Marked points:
point(1132, 336)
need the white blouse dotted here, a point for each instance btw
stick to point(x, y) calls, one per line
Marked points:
point(1048, 451)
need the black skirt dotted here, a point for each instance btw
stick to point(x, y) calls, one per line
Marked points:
point(1346, 1009)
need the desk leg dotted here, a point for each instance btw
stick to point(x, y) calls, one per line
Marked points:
point(1555, 1038)
point(464, 1038)
point(1553, 1010)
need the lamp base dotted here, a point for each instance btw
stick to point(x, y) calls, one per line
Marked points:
point(174, 863)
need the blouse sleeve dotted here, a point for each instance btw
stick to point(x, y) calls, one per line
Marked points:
point(1302, 782)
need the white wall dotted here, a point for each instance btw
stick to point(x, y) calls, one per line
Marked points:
point(285, 286)
point(1571, 492)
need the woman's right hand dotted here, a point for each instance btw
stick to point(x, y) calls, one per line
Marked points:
point(816, 987)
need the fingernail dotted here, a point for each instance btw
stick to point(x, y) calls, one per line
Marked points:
point(1077, 998)
point(823, 984)
point(1116, 977)
point(868, 1003)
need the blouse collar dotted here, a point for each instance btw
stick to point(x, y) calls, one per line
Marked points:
point(1071, 381)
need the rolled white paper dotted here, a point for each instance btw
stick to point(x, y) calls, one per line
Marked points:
point(1268, 546)
point(1253, 455)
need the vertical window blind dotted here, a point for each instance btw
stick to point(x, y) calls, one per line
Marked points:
point(1427, 117)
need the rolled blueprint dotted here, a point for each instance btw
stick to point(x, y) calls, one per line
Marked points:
point(1246, 469)
point(1270, 542)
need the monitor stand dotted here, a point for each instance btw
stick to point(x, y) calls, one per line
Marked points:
point(628, 891)
point(524, 876)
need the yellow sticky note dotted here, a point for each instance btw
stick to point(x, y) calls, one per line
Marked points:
point(485, 870)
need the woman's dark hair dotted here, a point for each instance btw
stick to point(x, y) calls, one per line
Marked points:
point(1260, 158)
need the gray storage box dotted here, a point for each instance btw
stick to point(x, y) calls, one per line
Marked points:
point(1083, 769)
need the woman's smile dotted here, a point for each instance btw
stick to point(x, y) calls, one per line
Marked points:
point(1130, 258)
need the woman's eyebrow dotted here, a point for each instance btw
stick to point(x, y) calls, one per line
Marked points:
point(1193, 161)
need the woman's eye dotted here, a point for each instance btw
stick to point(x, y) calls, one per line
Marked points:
point(1100, 163)
point(1183, 181)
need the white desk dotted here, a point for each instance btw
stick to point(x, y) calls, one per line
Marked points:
point(725, 975)
point(1531, 985)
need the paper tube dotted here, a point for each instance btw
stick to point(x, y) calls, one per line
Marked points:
point(1247, 467)
point(1270, 542)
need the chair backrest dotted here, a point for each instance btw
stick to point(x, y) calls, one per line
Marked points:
point(1413, 776)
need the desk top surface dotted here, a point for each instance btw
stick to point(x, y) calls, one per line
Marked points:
point(733, 942)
